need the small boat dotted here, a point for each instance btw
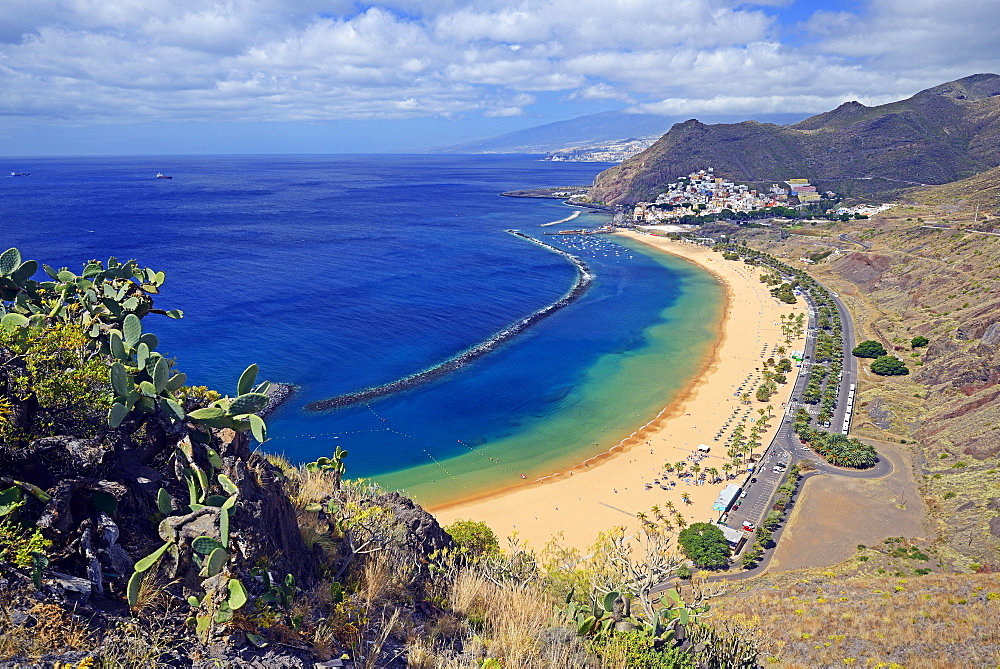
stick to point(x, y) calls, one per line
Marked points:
point(161, 175)
point(20, 174)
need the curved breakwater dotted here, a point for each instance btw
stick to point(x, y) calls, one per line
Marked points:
point(583, 280)
point(561, 220)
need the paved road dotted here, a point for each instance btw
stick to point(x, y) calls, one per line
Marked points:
point(850, 364)
point(761, 485)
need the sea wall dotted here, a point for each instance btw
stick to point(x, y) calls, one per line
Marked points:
point(584, 278)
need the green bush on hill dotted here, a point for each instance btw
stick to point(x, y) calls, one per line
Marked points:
point(889, 365)
point(869, 349)
point(474, 539)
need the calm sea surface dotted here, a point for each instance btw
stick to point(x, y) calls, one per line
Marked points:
point(337, 273)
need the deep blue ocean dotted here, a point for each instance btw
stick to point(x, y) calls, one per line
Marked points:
point(335, 273)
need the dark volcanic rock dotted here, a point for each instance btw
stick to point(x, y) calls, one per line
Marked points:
point(265, 524)
point(277, 394)
point(995, 526)
point(424, 534)
point(879, 414)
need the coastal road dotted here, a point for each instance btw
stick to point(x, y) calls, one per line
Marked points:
point(850, 367)
point(761, 485)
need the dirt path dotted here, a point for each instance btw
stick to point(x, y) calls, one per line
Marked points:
point(835, 514)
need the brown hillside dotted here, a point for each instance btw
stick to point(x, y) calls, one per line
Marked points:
point(939, 135)
point(932, 269)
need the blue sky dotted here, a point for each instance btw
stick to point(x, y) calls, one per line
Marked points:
point(336, 76)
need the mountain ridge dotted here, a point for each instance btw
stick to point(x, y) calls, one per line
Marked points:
point(938, 135)
point(585, 130)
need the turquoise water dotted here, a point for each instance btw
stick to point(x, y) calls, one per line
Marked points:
point(339, 273)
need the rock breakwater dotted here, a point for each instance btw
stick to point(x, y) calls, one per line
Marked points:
point(583, 280)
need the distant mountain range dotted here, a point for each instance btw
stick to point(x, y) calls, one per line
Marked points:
point(590, 130)
point(939, 135)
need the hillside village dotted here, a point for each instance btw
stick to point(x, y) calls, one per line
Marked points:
point(702, 193)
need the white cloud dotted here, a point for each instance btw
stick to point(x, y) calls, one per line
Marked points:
point(601, 91)
point(194, 60)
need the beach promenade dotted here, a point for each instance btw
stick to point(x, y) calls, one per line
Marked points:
point(608, 490)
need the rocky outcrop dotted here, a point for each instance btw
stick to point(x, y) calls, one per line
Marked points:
point(423, 534)
point(277, 394)
point(991, 335)
point(879, 414)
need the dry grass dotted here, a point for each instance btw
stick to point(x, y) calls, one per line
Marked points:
point(380, 580)
point(48, 629)
point(815, 620)
point(153, 597)
point(386, 626)
point(512, 617)
point(135, 643)
point(317, 533)
point(310, 486)
point(505, 622)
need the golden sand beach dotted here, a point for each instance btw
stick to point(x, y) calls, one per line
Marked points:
point(608, 491)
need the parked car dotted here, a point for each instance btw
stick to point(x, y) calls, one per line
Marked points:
point(748, 526)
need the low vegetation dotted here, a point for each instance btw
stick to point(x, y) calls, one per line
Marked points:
point(138, 527)
point(889, 365)
point(869, 349)
point(836, 448)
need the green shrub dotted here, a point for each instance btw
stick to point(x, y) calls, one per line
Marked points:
point(869, 349)
point(889, 365)
point(633, 650)
point(19, 542)
point(474, 538)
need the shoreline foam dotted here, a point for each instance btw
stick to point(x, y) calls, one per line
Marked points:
point(607, 489)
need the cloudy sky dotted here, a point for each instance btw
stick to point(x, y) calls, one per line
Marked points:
point(328, 76)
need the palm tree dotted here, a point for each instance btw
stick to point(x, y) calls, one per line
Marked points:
point(714, 473)
point(727, 467)
point(686, 498)
point(745, 398)
point(669, 505)
point(695, 468)
point(781, 350)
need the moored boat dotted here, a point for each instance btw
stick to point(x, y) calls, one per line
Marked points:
point(161, 175)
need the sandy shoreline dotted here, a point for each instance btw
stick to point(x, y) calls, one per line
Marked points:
point(607, 490)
